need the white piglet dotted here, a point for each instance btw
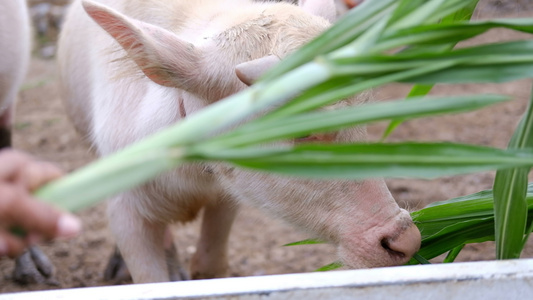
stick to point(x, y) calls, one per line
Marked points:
point(133, 67)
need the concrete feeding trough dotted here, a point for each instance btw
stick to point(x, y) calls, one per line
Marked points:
point(512, 279)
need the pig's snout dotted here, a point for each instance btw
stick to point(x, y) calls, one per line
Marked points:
point(390, 244)
point(403, 246)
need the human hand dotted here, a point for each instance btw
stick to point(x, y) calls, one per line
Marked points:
point(20, 175)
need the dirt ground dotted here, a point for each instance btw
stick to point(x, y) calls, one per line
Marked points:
point(42, 129)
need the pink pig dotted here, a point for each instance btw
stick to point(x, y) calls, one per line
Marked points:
point(133, 67)
point(14, 58)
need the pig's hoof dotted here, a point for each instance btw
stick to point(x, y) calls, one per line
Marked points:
point(34, 267)
point(116, 270)
point(175, 270)
point(5, 137)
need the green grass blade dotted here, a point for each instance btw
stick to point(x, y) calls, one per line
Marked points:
point(474, 231)
point(417, 91)
point(360, 161)
point(365, 42)
point(510, 212)
point(468, 219)
point(468, 64)
point(459, 12)
point(332, 91)
point(426, 11)
point(439, 215)
point(486, 63)
point(510, 207)
point(452, 255)
point(421, 259)
point(463, 14)
point(107, 177)
point(502, 72)
point(418, 15)
point(454, 33)
point(456, 9)
point(313, 122)
point(305, 242)
point(330, 267)
point(528, 233)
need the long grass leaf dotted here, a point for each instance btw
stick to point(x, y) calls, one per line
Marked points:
point(305, 242)
point(528, 233)
point(335, 90)
point(418, 15)
point(468, 64)
point(332, 266)
point(452, 255)
point(107, 177)
point(420, 259)
point(313, 122)
point(448, 224)
point(510, 211)
point(417, 91)
point(463, 14)
point(448, 34)
point(359, 161)
point(510, 207)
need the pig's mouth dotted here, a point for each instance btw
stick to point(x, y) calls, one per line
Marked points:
point(383, 246)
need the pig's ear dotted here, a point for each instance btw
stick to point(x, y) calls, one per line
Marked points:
point(248, 72)
point(322, 8)
point(161, 55)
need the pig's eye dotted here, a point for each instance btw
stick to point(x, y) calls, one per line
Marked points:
point(317, 137)
point(304, 139)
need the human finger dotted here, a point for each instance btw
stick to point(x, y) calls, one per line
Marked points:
point(18, 208)
point(10, 245)
point(12, 162)
point(37, 173)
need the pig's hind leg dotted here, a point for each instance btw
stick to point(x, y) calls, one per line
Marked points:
point(211, 257)
point(175, 270)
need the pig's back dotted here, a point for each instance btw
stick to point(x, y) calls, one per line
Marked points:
point(107, 105)
point(75, 66)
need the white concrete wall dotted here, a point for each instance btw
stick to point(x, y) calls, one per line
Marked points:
point(479, 280)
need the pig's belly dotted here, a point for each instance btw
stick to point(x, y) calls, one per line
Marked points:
point(178, 195)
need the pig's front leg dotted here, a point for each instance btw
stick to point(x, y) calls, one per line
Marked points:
point(211, 257)
point(117, 271)
point(140, 241)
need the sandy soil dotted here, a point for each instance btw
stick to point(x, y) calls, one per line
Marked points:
point(42, 129)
